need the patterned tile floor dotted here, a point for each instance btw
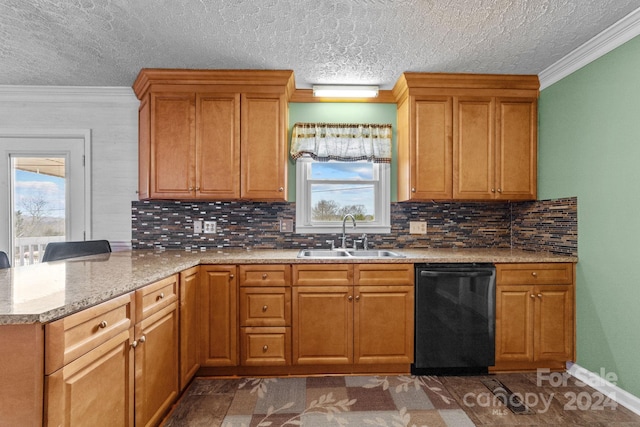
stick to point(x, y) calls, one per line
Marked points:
point(387, 401)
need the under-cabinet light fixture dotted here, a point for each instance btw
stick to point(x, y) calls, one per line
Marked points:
point(345, 91)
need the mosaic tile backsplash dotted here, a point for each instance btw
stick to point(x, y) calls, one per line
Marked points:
point(541, 225)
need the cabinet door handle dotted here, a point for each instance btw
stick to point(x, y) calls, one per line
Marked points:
point(103, 324)
point(264, 308)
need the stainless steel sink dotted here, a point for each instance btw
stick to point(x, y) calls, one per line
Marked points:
point(348, 253)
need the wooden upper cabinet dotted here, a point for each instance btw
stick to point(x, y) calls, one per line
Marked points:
point(218, 146)
point(172, 147)
point(516, 148)
point(466, 136)
point(213, 134)
point(474, 148)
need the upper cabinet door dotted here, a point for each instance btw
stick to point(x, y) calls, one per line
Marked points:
point(263, 147)
point(218, 146)
point(431, 162)
point(473, 149)
point(516, 148)
point(172, 149)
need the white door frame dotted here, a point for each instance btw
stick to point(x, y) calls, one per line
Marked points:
point(47, 133)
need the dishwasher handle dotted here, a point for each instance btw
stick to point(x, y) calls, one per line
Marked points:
point(458, 273)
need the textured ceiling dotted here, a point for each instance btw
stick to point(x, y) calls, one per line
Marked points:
point(107, 42)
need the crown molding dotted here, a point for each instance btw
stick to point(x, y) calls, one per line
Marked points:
point(25, 93)
point(611, 38)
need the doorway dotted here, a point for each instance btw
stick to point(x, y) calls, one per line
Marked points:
point(44, 188)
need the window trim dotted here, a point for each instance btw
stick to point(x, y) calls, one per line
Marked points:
point(303, 204)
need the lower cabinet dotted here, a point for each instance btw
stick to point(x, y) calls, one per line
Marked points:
point(535, 316)
point(353, 314)
point(156, 351)
point(218, 315)
point(89, 366)
point(189, 338)
point(115, 364)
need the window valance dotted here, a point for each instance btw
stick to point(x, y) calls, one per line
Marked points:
point(342, 141)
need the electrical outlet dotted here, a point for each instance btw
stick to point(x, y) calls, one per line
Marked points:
point(197, 226)
point(417, 227)
point(286, 225)
point(210, 227)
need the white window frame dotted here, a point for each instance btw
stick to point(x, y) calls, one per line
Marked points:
point(382, 189)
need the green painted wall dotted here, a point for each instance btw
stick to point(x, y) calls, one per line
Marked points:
point(589, 147)
point(343, 112)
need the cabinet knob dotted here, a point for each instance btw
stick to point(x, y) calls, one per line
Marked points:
point(532, 296)
point(265, 348)
point(493, 190)
point(190, 188)
point(539, 295)
point(142, 339)
point(264, 308)
point(534, 274)
point(413, 189)
point(231, 276)
point(264, 276)
point(134, 344)
point(197, 188)
point(281, 189)
point(357, 297)
point(499, 190)
point(103, 324)
point(160, 296)
point(350, 298)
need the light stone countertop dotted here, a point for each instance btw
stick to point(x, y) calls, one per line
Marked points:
point(49, 291)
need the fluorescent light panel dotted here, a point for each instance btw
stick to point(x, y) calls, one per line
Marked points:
point(345, 91)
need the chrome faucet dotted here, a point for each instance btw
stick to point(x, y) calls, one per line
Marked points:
point(344, 235)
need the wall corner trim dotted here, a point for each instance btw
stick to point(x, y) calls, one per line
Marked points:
point(605, 387)
point(609, 39)
point(100, 94)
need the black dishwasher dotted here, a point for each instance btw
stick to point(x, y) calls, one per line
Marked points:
point(454, 319)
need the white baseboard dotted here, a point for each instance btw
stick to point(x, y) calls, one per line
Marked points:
point(605, 387)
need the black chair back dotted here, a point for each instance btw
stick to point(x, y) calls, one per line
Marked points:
point(55, 251)
point(4, 260)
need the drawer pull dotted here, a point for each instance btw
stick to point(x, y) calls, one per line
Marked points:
point(265, 348)
point(161, 296)
point(103, 324)
point(264, 276)
point(264, 308)
point(534, 274)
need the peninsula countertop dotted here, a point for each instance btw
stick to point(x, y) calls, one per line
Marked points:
point(48, 291)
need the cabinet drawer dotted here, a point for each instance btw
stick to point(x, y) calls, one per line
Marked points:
point(77, 334)
point(534, 274)
point(156, 296)
point(266, 346)
point(322, 274)
point(265, 306)
point(384, 274)
point(265, 275)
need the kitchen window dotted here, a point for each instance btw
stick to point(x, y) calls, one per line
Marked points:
point(327, 191)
